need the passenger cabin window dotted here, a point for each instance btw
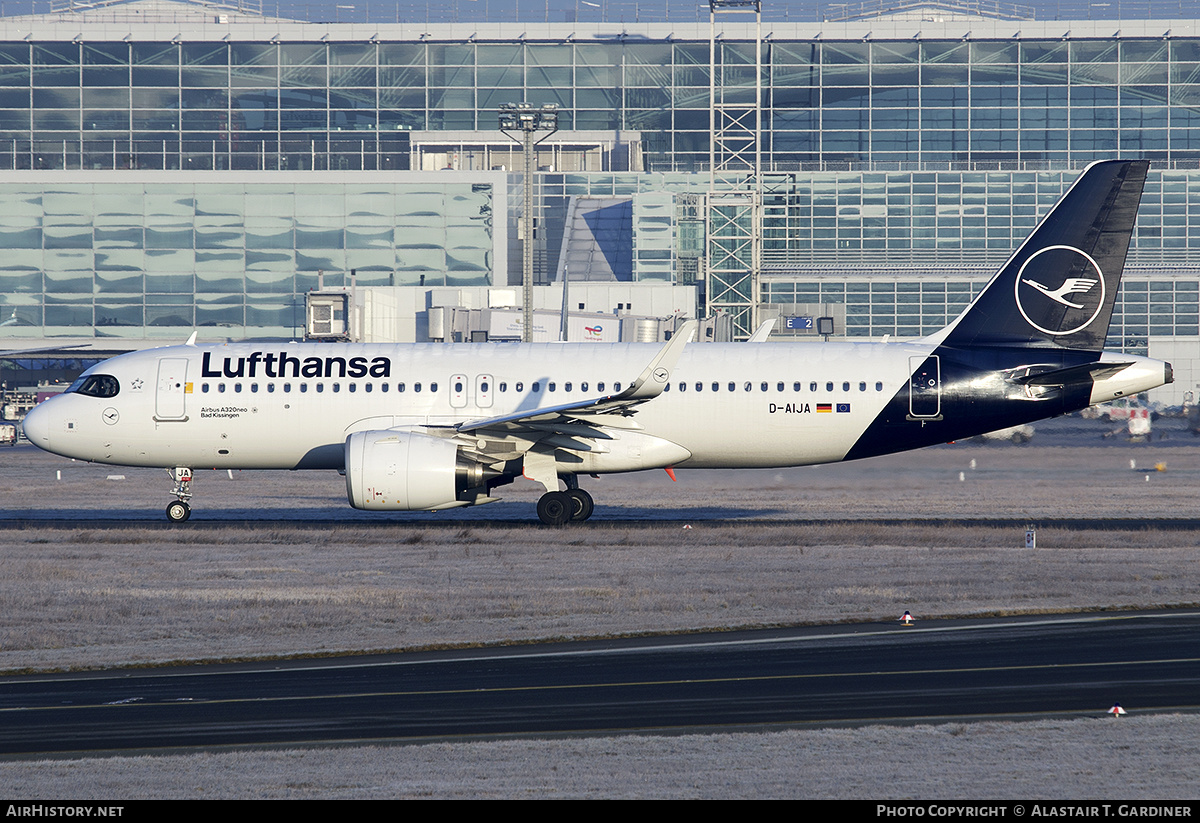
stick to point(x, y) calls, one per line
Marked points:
point(99, 385)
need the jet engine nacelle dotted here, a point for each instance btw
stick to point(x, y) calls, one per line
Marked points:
point(405, 471)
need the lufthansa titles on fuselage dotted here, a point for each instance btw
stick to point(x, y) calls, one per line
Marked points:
point(283, 364)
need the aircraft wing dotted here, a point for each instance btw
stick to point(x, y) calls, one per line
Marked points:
point(648, 385)
point(762, 332)
point(535, 434)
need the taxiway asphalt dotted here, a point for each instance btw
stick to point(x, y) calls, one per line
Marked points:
point(937, 671)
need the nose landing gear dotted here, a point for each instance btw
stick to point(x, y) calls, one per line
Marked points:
point(178, 511)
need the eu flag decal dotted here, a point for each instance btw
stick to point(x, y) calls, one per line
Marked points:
point(843, 408)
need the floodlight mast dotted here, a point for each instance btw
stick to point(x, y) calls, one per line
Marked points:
point(528, 119)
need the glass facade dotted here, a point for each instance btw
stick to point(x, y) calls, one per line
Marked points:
point(950, 218)
point(350, 105)
point(883, 303)
point(1151, 303)
point(136, 258)
point(150, 182)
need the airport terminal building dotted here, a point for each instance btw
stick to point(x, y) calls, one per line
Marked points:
point(168, 166)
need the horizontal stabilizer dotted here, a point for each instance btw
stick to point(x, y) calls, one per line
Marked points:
point(1073, 374)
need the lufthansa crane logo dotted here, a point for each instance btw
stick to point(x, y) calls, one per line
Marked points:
point(1060, 283)
point(1070, 286)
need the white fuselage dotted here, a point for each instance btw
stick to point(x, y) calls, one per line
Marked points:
point(728, 405)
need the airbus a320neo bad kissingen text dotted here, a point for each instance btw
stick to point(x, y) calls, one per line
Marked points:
point(434, 426)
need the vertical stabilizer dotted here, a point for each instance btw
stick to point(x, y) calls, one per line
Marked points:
point(1058, 289)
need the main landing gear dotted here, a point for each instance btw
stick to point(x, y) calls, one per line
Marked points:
point(178, 511)
point(560, 508)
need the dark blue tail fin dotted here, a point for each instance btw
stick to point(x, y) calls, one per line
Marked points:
point(1059, 287)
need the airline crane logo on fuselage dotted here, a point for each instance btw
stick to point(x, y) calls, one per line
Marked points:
point(285, 365)
point(1054, 277)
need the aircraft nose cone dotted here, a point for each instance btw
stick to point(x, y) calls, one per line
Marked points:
point(37, 426)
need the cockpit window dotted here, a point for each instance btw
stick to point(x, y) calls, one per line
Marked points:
point(98, 385)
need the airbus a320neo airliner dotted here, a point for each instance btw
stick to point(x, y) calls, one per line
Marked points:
point(434, 426)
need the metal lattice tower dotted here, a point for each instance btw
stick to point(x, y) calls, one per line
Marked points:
point(734, 242)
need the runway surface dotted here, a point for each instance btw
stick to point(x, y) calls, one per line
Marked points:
point(852, 674)
point(522, 518)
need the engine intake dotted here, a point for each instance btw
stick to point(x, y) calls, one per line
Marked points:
point(404, 471)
